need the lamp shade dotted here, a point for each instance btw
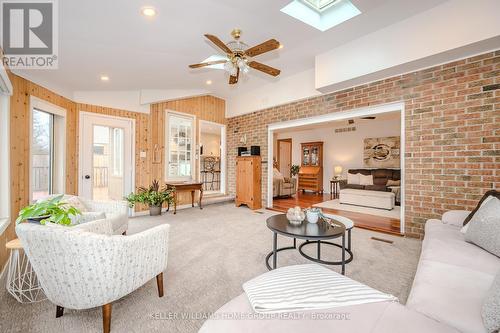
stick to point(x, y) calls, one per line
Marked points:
point(337, 170)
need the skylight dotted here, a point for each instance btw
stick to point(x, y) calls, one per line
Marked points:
point(321, 14)
point(215, 57)
point(319, 5)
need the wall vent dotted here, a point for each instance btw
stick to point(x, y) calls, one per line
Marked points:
point(345, 129)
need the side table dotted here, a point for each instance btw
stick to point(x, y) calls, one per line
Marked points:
point(22, 282)
point(334, 188)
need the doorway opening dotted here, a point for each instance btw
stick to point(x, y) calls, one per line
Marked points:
point(367, 141)
point(106, 168)
point(212, 157)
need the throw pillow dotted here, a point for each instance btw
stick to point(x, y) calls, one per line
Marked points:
point(484, 228)
point(75, 202)
point(87, 217)
point(353, 178)
point(490, 310)
point(391, 182)
point(277, 174)
point(486, 196)
point(365, 180)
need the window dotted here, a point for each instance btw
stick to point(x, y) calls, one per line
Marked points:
point(118, 152)
point(47, 149)
point(4, 162)
point(179, 146)
point(42, 154)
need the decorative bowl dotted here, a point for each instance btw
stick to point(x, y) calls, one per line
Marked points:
point(295, 215)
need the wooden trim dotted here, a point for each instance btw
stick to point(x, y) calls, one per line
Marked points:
point(278, 150)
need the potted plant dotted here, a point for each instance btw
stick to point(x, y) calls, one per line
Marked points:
point(51, 210)
point(152, 196)
point(294, 170)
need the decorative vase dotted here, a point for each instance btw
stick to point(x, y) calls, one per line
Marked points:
point(313, 215)
point(154, 210)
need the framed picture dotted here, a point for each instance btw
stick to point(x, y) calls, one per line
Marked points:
point(382, 152)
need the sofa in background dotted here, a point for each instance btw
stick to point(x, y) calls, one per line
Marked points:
point(451, 282)
point(385, 180)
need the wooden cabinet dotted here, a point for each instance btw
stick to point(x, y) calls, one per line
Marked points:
point(248, 181)
point(311, 169)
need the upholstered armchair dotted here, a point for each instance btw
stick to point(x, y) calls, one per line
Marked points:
point(284, 187)
point(86, 266)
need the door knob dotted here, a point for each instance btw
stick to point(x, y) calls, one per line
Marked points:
point(87, 176)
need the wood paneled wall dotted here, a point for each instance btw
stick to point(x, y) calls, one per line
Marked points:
point(204, 108)
point(149, 132)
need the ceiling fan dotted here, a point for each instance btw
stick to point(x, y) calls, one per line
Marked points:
point(351, 121)
point(239, 56)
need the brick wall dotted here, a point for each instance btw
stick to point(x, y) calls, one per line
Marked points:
point(452, 132)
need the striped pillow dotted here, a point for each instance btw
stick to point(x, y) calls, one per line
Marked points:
point(307, 287)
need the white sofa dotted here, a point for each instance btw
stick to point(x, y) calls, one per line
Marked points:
point(453, 276)
point(449, 287)
point(367, 198)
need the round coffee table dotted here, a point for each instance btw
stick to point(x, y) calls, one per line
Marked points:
point(312, 233)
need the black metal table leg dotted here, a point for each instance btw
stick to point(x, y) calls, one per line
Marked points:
point(295, 242)
point(349, 239)
point(343, 254)
point(319, 250)
point(275, 247)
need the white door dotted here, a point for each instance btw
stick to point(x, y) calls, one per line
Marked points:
point(106, 163)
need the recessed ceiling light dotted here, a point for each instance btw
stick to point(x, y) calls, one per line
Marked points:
point(209, 82)
point(104, 78)
point(281, 46)
point(148, 11)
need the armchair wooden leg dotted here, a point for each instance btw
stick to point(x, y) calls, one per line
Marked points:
point(159, 283)
point(124, 233)
point(59, 311)
point(106, 318)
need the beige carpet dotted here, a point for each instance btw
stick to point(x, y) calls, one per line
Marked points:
point(212, 252)
point(335, 204)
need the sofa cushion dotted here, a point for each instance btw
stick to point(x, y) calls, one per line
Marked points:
point(365, 180)
point(493, 193)
point(354, 186)
point(353, 179)
point(491, 307)
point(381, 188)
point(484, 227)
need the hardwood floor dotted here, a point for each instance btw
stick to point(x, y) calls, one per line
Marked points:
point(366, 221)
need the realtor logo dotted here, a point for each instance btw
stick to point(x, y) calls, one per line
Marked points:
point(29, 34)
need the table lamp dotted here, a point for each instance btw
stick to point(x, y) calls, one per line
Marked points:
point(337, 171)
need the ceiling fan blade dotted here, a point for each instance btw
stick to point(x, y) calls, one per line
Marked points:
point(209, 63)
point(264, 68)
point(270, 45)
point(233, 79)
point(219, 43)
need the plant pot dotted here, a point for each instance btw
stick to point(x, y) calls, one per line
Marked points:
point(37, 219)
point(154, 210)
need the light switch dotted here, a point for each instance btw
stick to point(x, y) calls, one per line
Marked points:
point(142, 154)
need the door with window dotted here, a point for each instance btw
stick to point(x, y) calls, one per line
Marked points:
point(180, 146)
point(106, 162)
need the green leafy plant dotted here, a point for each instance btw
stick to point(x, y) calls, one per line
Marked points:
point(294, 170)
point(52, 210)
point(152, 196)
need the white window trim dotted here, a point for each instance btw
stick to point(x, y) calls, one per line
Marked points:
point(4, 162)
point(59, 165)
point(194, 155)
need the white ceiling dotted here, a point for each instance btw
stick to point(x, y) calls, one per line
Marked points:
point(113, 38)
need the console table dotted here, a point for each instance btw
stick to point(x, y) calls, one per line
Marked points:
point(186, 187)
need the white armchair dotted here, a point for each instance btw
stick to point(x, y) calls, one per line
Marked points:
point(85, 266)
